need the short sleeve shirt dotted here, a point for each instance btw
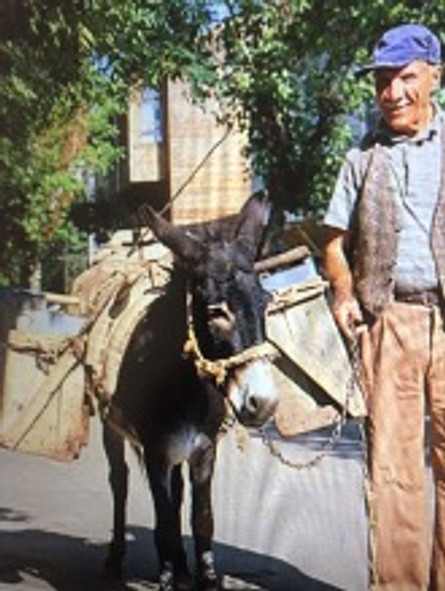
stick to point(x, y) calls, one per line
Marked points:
point(416, 163)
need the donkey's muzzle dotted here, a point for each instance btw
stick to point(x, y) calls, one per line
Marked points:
point(252, 393)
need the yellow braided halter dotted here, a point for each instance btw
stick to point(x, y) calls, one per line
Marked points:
point(218, 368)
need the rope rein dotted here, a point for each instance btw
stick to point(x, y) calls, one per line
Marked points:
point(218, 369)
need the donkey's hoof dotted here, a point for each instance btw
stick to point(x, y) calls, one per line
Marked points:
point(206, 577)
point(167, 578)
point(174, 580)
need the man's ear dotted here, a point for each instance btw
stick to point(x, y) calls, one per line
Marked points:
point(437, 76)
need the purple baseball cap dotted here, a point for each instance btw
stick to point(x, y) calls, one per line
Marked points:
point(402, 45)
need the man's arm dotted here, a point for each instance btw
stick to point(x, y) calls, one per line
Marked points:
point(346, 309)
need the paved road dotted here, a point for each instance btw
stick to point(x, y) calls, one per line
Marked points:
point(277, 528)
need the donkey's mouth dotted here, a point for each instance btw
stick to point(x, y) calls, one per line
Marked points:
point(255, 420)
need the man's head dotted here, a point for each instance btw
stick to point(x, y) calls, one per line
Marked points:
point(406, 66)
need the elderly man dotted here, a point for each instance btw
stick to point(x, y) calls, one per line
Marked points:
point(385, 259)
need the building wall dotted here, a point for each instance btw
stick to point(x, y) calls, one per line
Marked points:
point(213, 179)
point(179, 157)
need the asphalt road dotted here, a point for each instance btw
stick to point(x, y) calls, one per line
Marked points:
point(277, 528)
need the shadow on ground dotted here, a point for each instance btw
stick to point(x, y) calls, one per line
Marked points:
point(36, 559)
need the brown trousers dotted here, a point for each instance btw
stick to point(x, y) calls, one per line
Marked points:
point(404, 371)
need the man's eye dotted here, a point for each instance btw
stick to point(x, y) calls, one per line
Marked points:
point(383, 83)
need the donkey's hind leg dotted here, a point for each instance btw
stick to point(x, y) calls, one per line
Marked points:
point(114, 446)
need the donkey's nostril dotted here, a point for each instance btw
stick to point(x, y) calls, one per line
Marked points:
point(252, 404)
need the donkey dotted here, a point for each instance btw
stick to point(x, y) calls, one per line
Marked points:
point(175, 405)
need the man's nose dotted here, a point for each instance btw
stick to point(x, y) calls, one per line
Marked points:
point(394, 90)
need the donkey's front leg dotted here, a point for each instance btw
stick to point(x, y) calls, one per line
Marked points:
point(201, 469)
point(118, 478)
point(167, 489)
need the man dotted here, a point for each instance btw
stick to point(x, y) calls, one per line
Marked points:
point(385, 259)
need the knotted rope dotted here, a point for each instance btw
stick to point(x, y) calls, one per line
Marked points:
point(218, 369)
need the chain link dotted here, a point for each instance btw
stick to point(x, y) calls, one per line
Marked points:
point(297, 465)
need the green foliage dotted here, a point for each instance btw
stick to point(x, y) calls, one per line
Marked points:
point(45, 120)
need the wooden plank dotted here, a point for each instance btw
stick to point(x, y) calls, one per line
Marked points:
point(300, 407)
point(43, 403)
point(306, 334)
point(35, 407)
point(42, 384)
point(291, 256)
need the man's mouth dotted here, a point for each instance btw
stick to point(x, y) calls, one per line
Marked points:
point(394, 109)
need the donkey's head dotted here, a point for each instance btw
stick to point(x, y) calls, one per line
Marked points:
point(227, 308)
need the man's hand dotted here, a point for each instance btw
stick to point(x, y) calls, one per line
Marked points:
point(348, 316)
point(346, 309)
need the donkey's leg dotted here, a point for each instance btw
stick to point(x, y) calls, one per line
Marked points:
point(167, 489)
point(118, 478)
point(201, 470)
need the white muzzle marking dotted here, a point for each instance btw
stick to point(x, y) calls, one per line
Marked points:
point(252, 393)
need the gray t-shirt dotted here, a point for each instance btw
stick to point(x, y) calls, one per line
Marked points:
point(416, 163)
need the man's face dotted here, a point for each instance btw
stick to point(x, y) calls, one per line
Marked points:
point(404, 95)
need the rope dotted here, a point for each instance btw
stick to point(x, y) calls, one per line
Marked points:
point(217, 369)
point(197, 168)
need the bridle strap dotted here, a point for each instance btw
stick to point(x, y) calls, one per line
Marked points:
point(217, 369)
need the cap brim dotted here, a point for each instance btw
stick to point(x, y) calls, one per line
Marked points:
point(362, 71)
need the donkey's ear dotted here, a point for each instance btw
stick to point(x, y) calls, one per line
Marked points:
point(252, 221)
point(182, 243)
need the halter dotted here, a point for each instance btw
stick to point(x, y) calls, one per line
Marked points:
point(219, 368)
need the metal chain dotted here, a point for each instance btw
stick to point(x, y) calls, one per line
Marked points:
point(328, 445)
point(297, 465)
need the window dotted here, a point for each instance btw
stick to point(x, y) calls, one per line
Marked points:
point(151, 116)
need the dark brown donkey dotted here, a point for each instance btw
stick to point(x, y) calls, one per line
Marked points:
point(176, 404)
